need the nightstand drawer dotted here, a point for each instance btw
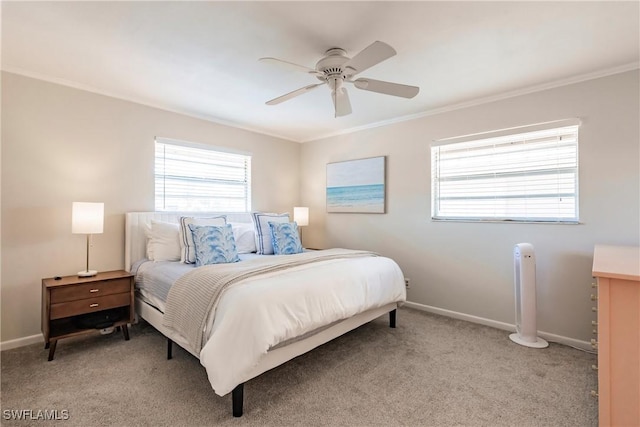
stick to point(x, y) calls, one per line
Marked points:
point(90, 290)
point(89, 305)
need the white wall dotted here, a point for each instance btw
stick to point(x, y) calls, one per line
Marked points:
point(468, 267)
point(61, 145)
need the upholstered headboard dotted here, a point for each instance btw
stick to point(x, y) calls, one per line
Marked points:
point(135, 239)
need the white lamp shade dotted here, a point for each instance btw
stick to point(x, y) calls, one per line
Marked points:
point(301, 216)
point(87, 218)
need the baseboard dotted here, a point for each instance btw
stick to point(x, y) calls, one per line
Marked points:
point(21, 342)
point(582, 345)
point(571, 342)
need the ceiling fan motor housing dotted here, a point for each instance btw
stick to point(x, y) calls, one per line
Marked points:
point(331, 65)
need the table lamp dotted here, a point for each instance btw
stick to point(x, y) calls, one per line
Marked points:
point(301, 217)
point(87, 218)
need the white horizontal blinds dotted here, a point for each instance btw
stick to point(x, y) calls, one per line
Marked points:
point(524, 177)
point(201, 179)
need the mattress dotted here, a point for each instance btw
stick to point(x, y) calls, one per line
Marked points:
point(154, 278)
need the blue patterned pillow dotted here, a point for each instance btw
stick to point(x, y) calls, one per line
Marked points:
point(214, 244)
point(188, 255)
point(263, 232)
point(285, 238)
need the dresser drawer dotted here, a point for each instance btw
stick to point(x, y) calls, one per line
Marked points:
point(89, 305)
point(90, 290)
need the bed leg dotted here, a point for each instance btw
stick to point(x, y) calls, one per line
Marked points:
point(169, 349)
point(236, 400)
point(392, 319)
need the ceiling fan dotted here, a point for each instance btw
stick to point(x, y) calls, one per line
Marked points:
point(336, 68)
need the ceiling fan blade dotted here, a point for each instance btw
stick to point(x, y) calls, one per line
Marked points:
point(289, 65)
point(341, 102)
point(368, 57)
point(293, 94)
point(387, 88)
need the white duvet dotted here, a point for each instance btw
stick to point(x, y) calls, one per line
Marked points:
point(258, 313)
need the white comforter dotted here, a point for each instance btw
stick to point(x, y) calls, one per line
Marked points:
point(257, 314)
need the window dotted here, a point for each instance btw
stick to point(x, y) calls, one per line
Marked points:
point(191, 177)
point(527, 176)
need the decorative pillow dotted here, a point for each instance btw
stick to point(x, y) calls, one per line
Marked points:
point(213, 244)
point(285, 238)
point(164, 241)
point(263, 232)
point(188, 255)
point(245, 237)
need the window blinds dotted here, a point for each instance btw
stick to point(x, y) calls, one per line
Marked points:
point(531, 176)
point(201, 179)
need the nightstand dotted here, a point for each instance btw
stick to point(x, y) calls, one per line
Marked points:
point(75, 305)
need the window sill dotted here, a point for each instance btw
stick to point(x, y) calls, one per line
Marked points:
point(505, 221)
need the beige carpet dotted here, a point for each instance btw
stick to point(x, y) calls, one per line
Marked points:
point(431, 371)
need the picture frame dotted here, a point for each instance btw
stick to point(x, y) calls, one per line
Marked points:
point(357, 186)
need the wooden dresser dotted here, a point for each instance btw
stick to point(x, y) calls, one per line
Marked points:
point(617, 269)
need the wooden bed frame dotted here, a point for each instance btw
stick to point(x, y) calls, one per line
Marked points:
point(135, 249)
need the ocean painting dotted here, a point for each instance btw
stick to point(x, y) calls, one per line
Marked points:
point(356, 186)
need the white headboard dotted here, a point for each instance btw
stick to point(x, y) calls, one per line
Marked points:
point(135, 239)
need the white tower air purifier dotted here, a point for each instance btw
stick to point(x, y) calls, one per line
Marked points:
point(524, 262)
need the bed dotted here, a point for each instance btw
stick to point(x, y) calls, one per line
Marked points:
point(348, 288)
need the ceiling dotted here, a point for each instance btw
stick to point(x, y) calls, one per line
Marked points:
point(201, 58)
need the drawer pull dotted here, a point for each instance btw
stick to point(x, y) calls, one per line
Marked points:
point(94, 290)
point(594, 285)
point(594, 393)
point(594, 367)
point(594, 308)
point(595, 332)
point(594, 343)
point(594, 297)
point(594, 323)
point(93, 305)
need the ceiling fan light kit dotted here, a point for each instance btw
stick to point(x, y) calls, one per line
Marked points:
point(336, 68)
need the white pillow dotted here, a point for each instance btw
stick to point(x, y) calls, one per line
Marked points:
point(244, 235)
point(164, 241)
point(263, 231)
point(188, 255)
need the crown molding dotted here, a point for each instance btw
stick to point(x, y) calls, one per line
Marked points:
point(488, 99)
point(475, 102)
point(91, 89)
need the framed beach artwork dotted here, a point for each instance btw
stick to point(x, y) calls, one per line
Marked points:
point(356, 186)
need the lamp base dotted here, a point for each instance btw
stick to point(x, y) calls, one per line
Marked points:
point(87, 273)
